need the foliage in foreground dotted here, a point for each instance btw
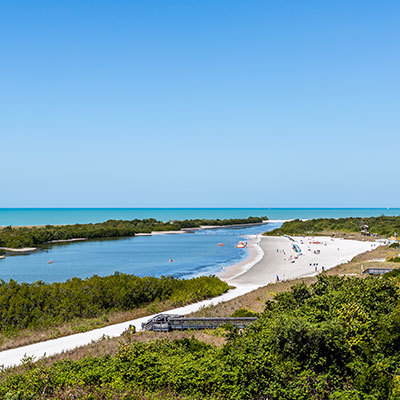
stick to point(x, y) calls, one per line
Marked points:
point(338, 339)
point(383, 226)
point(18, 237)
point(39, 304)
point(392, 274)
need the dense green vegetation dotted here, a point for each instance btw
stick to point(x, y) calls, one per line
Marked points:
point(39, 304)
point(383, 226)
point(392, 274)
point(243, 312)
point(193, 223)
point(18, 237)
point(338, 339)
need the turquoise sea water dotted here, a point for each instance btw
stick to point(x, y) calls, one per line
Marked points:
point(43, 216)
point(193, 254)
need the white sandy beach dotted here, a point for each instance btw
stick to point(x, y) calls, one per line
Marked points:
point(271, 257)
point(280, 258)
point(255, 255)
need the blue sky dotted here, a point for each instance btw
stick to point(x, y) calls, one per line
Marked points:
point(199, 103)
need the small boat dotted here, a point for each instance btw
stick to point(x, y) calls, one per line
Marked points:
point(241, 245)
point(51, 262)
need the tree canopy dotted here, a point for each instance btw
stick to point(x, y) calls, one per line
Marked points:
point(383, 226)
point(39, 304)
point(19, 237)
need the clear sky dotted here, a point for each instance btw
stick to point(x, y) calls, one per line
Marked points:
point(199, 103)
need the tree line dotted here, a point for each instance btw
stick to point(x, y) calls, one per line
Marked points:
point(382, 226)
point(19, 237)
point(39, 304)
point(338, 339)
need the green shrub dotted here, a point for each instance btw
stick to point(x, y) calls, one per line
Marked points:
point(39, 304)
point(392, 274)
point(243, 312)
point(338, 339)
point(383, 226)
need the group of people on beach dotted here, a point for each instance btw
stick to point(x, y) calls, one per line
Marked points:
point(315, 265)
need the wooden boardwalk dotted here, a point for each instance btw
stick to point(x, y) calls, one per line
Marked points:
point(167, 322)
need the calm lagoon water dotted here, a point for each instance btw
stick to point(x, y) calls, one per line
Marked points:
point(193, 254)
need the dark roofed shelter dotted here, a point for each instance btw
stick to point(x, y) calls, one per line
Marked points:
point(365, 230)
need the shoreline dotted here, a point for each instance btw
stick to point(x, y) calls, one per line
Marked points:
point(255, 254)
point(280, 260)
point(22, 250)
point(66, 240)
point(153, 233)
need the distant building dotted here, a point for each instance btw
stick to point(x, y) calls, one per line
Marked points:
point(365, 230)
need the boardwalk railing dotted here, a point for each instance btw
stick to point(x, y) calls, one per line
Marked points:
point(167, 322)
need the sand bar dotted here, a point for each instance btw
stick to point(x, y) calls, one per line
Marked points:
point(66, 240)
point(22, 250)
point(165, 232)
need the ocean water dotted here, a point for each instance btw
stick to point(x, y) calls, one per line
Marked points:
point(44, 216)
point(193, 254)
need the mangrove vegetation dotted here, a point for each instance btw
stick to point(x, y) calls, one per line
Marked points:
point(20, 237)
point(382, 226)
point(40, 305)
